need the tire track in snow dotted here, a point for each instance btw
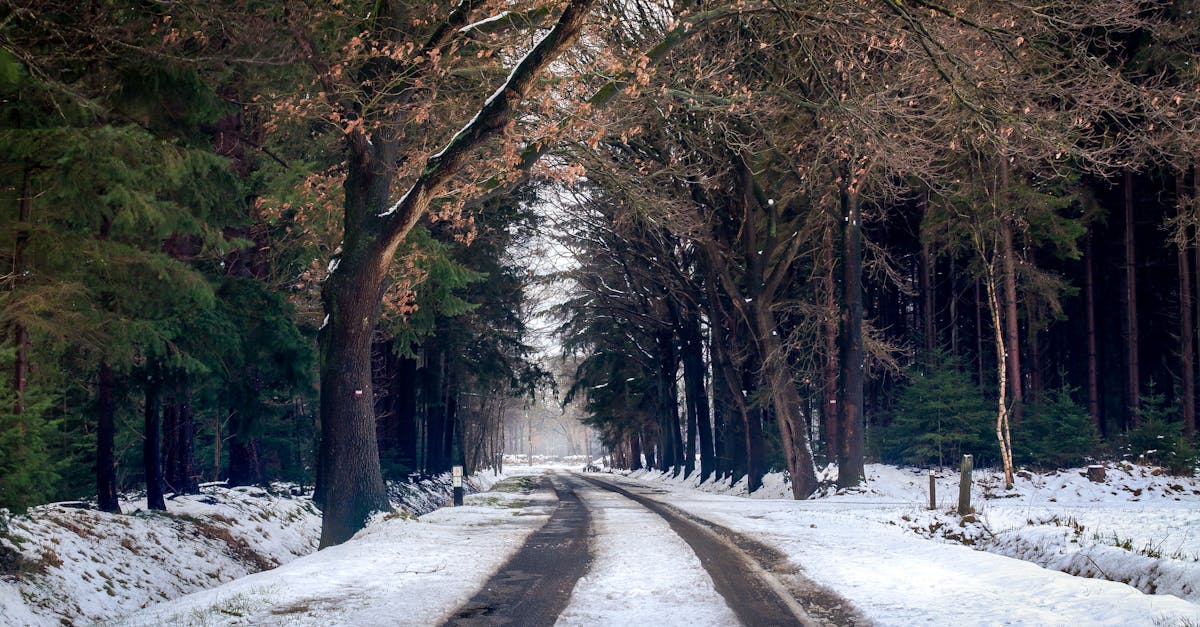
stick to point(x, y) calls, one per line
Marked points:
point(744, 570)
point(642, 573)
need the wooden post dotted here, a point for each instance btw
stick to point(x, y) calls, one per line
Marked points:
point(932, 490)
point(964, 485)
point(457, 482)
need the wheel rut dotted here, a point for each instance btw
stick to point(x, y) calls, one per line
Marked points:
point(533, 587)
point(757, 582)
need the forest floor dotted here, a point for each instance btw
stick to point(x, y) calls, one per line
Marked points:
point(1053, 551)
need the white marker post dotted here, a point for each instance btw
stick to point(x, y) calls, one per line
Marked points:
point(456, 481)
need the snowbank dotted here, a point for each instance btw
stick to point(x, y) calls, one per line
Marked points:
point(1140, 526)
point(81, 565)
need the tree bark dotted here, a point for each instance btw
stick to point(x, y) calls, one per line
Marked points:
point(851, 462)
point(185, 480)
point(106, 428)
point(1093, 367)
point(19, 333)
point(1011, 323)
point(170, 444)
point(830, 414)
point(1186, 330)
point(697, 394)
point(151, 454)
point(1003, 432)
point(1132, 372)
point(927, 297)
point(978, 334)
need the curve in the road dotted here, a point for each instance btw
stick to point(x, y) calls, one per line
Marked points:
point(534, 586)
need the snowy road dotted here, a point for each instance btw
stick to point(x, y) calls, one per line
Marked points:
point(642, 571)
point(686, 573)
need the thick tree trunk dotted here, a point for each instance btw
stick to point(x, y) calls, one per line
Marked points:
point(151, 454)
point(1008, 258)
point(352, 480)
point(1093, 363)
point(1187, 357)
point(1132, 372)
point(851, 462)
point(106, 429)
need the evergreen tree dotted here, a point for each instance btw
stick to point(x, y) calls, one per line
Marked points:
point(941, 416)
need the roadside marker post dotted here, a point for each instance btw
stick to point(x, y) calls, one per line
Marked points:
point(457, 481)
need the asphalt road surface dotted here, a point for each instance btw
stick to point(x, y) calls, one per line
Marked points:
point(756, 582)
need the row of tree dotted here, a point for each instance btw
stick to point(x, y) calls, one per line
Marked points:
point(166, 220)
point(834, 205)
point(179, 177)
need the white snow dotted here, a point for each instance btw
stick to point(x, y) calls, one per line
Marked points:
point(91, 565)
point(873, 545)
point(666, 584)
point(879, 546)
point(494, 18)
point(399, 570)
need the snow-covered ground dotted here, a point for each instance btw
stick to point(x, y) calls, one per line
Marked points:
point(1139, 526)
point(880, 547)
point(401, 570)
point(84, 566)
point(641, 573)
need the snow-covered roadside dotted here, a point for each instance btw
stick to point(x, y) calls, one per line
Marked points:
point(85, 566)
point(861, 544)
point(641, 572)
point(399, 570)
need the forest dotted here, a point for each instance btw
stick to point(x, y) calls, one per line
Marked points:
point(250, 241)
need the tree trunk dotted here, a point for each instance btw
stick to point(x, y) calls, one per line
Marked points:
point(19, 333)
point(151, 455)
point(185, 480)
point(170, 444)
point(953, 308)
point(1003, 434)
point(1008, 257)
point(352, 479)
point(697, 395)
point(1187, 357)
point(793, 427)
point(433, 393)
point(927, 296)
point(635, 452)
point(851, 462)
point(670, 458)
point(830, 415)
point(1132, 372)
point(978, 334)
point(1093, 369)
point(106, 429)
